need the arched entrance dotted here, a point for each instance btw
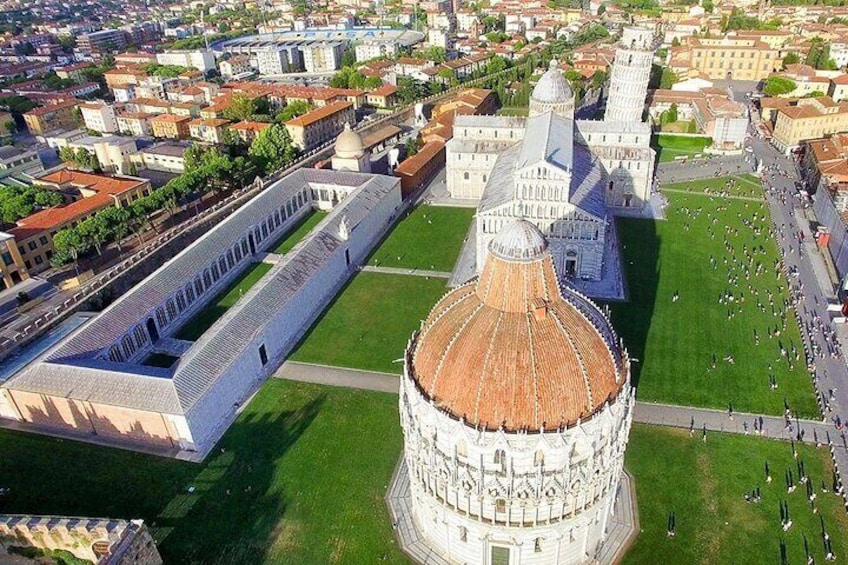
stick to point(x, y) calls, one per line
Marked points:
point(252, 244)
point(571, 263)
point(151, 329)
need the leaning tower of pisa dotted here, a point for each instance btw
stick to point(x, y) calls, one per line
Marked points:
point(630, 73)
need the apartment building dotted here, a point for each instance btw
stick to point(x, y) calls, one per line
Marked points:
point(135, 123)
point(51, 117)
point(99, 116)
point(806, 119)
point(210, 131)
point(201, 59)
point(322, 56)
point(320, 125)
point(170, 126)
point(103, 41)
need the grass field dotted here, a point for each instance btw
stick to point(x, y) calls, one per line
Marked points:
point(159, 360)
point(670, 147)
point(428, 238)
point(368, 324)
point(676, 342)
point(204, 319)
point(742, 185)
point(292, 238)
point(704, 485)
point(513, 111)
point(306, 468)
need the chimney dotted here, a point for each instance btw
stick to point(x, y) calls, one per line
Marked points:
point(540, 308)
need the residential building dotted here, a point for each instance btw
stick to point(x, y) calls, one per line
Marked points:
point(170, 126)
point(166, 157)
point(58, 140)
point(322, 56)
point(201, 59)
point(103, 41)
point(247, 131)
point(824, 166)
point(235, 67)
point(52, 117)
point(135, 123)
point(74, 72)
point(808, 118)
point(12, 268)
point(320, 125)
point(210, 131)
point(838, 89)
point(99, 116)
point(277, 59)
point(372, 49)
point(134, 59)
point(383, 97)
point(86, 193)
point(14, 161)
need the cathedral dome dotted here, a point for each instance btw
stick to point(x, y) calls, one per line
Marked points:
point(349, 144)
point(512, 350)
point(553, 87)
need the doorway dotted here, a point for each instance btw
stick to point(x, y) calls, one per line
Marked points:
point(151, 329)
point(571, 264)
point(628, 199)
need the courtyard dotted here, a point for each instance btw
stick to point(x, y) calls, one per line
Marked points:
point(203, 320)
point(368, 324)
point(293, 236)
point(428, 238)
point(707, 315)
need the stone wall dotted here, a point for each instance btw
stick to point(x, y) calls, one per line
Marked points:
point(101, 541)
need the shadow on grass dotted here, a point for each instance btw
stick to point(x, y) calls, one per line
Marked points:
point(235, 510)
point(640, 247)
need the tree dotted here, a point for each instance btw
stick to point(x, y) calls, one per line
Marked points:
point(10, 126)
point(775, 86)
point(348, 58)
point(411, 146)
point(293, 109)
point(410, 89)
point(241, 107)
point(495, 65)
point(372, 83)
point(68, 245)
point(818, 55)
point(814, 94)
point(94, 231)
point(272, 149)
point(668, 78)
point(117, 222)
point(447, 74)
point(791, 59)
point(675, 42)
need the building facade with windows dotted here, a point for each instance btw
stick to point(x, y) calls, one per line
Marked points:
point(566, 176)
point(320, 125)
point(12, 267)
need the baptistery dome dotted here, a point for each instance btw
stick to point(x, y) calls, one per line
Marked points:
point(511, 350)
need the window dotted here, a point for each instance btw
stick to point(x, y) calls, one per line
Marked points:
point(263, 355)
point(38, 260)
point(465, 175)
point(500, 505)
point(463, 533)
point(539, 459)
point(500, 457)
point(7, 258)
point(32, 245)
point(43, 240)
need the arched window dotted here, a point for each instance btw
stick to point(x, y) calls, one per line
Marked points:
point(461, 449)
point(538, 545)
point(463, 533)
point(465, 175)
point(539, 459)
point(500, 457)
point(500, 505)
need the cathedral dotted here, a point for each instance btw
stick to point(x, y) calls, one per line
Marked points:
point(566, 176)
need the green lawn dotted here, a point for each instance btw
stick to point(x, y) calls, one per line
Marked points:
point(430, 237)
point(368, 324)
point(742, 185)
point(675, 341)
point(513, 111)
point(292, 238)
point(670, 147)
point(160, 360)
point(204, 319)
point(704, 485)
point(306, 468)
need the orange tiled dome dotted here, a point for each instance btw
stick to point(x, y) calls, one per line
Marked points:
point(512, 350)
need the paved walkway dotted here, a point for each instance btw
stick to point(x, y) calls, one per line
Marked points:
point(405, 271)
point(712, 195)
point(645, 413)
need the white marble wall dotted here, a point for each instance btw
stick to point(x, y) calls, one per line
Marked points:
point(552, 491)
